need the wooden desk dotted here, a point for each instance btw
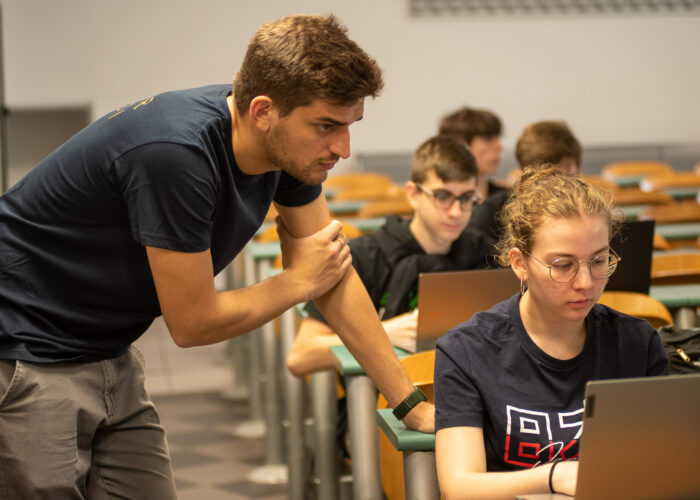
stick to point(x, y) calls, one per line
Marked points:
point(364, 437)
point(420, 474)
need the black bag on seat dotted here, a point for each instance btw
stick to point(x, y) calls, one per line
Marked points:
point(682, 347)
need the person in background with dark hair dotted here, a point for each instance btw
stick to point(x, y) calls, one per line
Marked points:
point(481, 130)
point(549, 142)
point(133, 217)
point(540, 143)
point(510, 382)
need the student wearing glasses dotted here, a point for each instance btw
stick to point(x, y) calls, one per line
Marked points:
point(442, 191)
point(509, 383)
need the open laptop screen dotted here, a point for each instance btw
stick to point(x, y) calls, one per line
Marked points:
point(450, 298)
point(635, 244)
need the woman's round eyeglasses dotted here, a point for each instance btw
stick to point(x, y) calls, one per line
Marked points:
point(563, 269)
point(443, 199)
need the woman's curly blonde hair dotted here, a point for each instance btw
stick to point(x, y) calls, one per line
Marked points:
point(546, 192)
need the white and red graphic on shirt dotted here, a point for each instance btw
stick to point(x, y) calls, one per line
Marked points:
point(535, 437)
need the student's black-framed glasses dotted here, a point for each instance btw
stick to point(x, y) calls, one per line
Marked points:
point(564, 269)
point(443, 199)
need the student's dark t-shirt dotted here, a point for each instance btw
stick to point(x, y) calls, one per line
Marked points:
point(490, 374)
point(75, 284)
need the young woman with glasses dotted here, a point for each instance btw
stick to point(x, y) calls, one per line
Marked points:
point(510, 382)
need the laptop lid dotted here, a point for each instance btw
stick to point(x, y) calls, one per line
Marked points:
point(450, 298)
point(641, 439)
point(635, 244)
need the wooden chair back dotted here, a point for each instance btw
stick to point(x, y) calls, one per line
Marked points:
point(667, 182)
point(639, 305)
point(635, 196)
point(675, 268)
point(684, 211)
point(660, 243)
point(381, 208)
point(420, 367)
point(598, 181)
point(370, 192)
point(616, 170)
point(350, 180)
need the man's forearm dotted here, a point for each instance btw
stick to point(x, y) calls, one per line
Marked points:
point(233, 312)
point(348, 309)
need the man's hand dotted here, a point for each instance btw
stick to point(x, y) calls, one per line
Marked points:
point(421, 418)
point(401, 330)
point(318, 261)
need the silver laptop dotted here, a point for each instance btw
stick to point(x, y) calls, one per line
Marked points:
point(640, 441)
point(450, 298)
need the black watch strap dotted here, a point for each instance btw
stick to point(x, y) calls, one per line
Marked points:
point(417, 396)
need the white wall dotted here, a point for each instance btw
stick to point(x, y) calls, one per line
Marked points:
point(616, 80)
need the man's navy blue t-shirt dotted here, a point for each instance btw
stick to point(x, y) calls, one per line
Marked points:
point(75, 284)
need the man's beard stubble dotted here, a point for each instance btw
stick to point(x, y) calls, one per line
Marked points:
point(276, 147)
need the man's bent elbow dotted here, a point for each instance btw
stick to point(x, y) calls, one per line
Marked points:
point(186, 336)
point(184, 341)
point(295, 365)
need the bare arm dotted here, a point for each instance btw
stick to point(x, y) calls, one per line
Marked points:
point(350, 313)
point(310, 351)
point(461, 466)
point(197, 314)
point(311, 348)
point(316, 264)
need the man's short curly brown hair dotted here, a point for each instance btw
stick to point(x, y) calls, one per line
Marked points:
point(297, 59)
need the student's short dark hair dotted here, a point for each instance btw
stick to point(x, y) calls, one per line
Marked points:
point(447, 156)
point(297, 59)
point(547, 142)
point(467, 123)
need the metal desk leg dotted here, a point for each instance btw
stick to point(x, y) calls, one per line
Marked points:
point(685, 317)
point(274, 471)
point(294, 399)
point(255, 426)
point(324, 402)
point(239, 347)
point(420, 475)
point(364, 437)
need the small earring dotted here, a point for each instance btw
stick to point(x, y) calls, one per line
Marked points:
point(523, 287)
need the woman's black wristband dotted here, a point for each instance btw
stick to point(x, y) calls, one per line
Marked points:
point(551, 475)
